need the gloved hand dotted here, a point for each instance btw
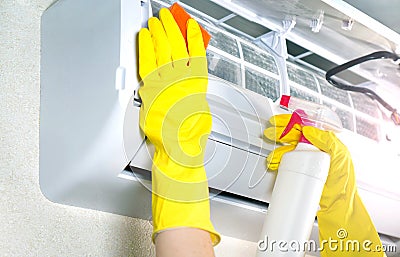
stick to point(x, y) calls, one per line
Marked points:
point(279, 123)
point(175, 117)
point(342, 215)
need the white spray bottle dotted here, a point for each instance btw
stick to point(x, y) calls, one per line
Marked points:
point(297, 191)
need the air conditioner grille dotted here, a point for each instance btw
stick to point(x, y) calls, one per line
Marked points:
point(232, 56)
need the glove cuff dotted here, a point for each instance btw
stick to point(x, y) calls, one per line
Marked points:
point(180, 196)
point(169, 214)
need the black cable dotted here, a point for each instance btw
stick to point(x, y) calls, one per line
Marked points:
point(372, 56)
point(366, 91)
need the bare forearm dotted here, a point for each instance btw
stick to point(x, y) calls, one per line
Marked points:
point(184, 242)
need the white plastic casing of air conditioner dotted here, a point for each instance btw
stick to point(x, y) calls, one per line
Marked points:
point(93, 154)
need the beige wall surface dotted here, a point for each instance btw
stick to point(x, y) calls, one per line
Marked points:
point(30, 225)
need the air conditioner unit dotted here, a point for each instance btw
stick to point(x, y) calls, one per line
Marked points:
point(93, 154)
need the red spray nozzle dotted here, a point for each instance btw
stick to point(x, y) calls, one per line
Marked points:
point(296, 119)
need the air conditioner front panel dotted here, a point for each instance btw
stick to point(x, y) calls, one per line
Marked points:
point(236, 151)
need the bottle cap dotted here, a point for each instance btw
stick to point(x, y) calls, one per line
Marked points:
point(312, 114)
point(297, 119)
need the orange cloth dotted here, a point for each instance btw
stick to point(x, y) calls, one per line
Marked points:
point(181, 17)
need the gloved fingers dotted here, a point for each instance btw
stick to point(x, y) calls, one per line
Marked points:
point(174, 35)
point(274, 158)
point(147, 56)
point(161, 44)
point(274, 134)
point(195, 39)
point(324, 140)
point(280, 120)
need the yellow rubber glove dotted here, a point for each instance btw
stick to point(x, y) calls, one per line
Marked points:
point(175, 117)
point(274, 133)
point(342, 215)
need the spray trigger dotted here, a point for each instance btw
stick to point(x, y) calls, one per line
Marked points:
point(298, 117)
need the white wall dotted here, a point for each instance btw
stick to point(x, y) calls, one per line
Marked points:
point(30, 225)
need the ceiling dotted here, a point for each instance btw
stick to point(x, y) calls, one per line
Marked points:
point(384, 11)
